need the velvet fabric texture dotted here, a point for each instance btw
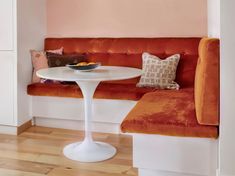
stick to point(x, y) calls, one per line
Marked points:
point(167, 112)
point(57, 51)
point(163, 112)
point(207, 82)
point(128, 51)
point(103, 91)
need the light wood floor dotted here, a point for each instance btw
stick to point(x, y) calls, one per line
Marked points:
point(38, 152)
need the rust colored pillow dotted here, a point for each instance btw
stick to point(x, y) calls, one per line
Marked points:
point(56, 60)
point(207, 82)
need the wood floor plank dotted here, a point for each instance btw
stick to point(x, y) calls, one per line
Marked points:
point(38, 152)
point(81, 172)
point(25, 166)
point(7, 172)
point(11, 154)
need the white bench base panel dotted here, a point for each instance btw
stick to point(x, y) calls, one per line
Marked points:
point(68, 113)
point(174, 156)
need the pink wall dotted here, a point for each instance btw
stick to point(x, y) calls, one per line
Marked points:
point(126, 18)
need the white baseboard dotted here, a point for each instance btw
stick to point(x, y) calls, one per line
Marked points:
point(77, 125)
point(221, 174)
point(11, 130)
point(145, 172)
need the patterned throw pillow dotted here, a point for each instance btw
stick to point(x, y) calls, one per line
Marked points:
point(159, 73)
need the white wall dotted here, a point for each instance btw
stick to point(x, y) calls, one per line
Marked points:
point(6, 29)
point(31, 25)
point(7, 58)
point(227, 102)
point(127, 18)
point(213, 18)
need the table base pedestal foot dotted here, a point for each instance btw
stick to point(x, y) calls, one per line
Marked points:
point(89, 151)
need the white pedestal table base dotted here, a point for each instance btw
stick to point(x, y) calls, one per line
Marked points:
point(88, 150)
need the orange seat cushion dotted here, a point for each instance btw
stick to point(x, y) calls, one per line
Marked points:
point(167, 112)
point(103, 91)
point(207, 82)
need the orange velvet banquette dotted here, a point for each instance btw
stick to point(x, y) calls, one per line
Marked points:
point(191, 111)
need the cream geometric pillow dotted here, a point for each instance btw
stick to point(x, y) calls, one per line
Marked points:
point(159, 73)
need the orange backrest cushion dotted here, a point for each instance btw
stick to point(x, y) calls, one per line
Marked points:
point(207, 82)
point(128, 51)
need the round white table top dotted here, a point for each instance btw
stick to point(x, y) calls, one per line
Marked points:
point(102, 73)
